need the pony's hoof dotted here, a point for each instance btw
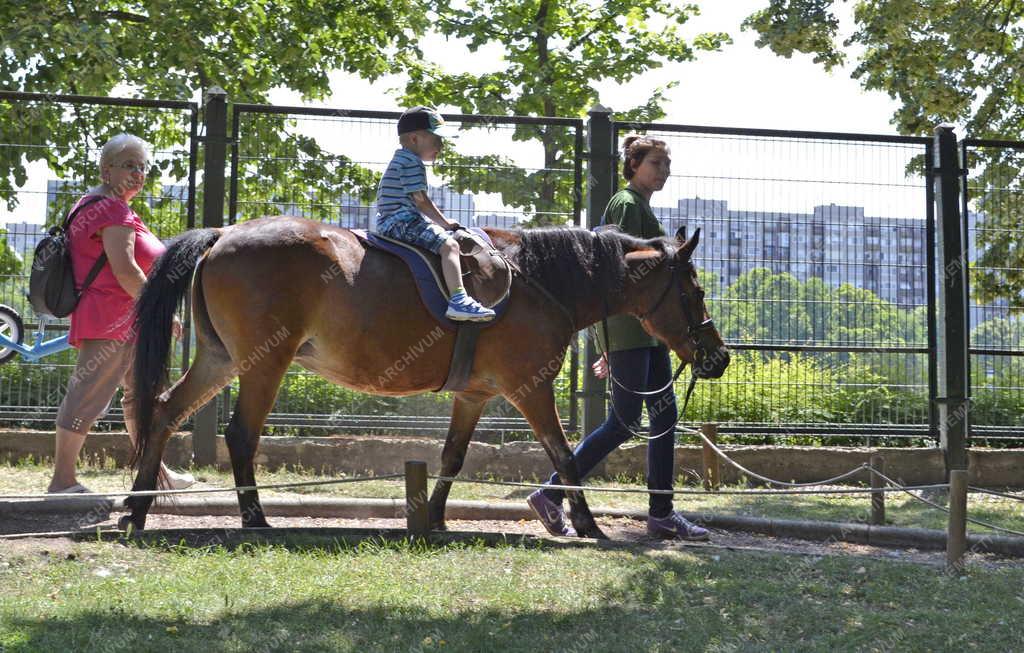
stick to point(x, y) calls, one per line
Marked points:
point(439, 526)
point(128, 524)
point(256, 524)
point(592, 532)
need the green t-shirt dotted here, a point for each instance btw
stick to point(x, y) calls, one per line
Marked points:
point(633, 214)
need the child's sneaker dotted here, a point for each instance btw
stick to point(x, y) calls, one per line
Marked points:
point(676, 527)
point(467, 309)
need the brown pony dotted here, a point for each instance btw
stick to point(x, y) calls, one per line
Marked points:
point(278, 290)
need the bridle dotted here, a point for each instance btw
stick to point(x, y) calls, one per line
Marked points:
point(694, 332)
point(693, 329)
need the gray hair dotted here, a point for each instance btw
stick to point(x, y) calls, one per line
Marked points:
point(119, 144)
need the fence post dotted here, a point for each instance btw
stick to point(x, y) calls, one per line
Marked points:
point(600, 183)
point(931, 248)
point(215, 120)
point(952, 365)
point(877, 498)
point(417, 517)
point(956, 532)
point(711, 470)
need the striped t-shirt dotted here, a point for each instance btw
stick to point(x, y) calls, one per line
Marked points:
point(405, 175)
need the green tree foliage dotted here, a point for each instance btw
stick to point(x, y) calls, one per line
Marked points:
point(766, 308)
point(777, 309)
point(10, 260)
point(996, 397)
point(555, 53)
point(173, 50)
point(944, 61)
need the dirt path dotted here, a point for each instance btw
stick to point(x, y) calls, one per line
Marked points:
point(618, 529)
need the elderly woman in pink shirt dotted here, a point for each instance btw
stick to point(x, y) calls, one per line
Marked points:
point(101, 325)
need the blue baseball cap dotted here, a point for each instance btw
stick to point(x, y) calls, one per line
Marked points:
point(427, 118)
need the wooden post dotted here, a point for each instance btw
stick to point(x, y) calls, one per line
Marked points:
point(710, 463)
point(877, 498)
point(417, 517)
point(956, 534)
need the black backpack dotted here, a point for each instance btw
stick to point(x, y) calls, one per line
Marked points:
point(51, 288)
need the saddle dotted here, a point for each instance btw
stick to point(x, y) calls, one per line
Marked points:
point(486, 275)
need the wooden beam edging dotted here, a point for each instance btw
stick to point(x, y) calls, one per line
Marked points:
point(818, 531)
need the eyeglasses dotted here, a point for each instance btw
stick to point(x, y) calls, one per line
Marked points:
point(142, 168)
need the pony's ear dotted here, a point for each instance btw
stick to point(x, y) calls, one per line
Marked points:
point(686, 251)
point(681, 234)
point(643, 255)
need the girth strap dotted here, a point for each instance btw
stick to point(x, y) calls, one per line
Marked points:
point(463, 355)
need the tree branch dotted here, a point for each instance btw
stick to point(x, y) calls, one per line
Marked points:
point(598, 24)
point(125, 16)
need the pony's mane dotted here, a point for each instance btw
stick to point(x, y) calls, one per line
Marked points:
point(564, 260)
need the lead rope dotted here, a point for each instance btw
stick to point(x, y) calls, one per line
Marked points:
point(611, 394)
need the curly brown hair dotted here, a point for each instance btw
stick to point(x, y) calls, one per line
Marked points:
point(634, 148)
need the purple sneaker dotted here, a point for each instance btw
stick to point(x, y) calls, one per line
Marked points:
point(676, 527)
point(550, 514)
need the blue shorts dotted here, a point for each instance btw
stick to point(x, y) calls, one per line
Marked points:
point(415, 230)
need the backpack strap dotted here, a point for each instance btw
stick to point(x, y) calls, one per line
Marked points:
point(102, 260)
point(96, 267)
point(71, 216)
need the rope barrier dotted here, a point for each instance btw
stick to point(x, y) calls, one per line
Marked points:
point(866, 467)
point(591, 488)
point(159, 493)
point(944, 509)
point(771, 481)
point(981, 490)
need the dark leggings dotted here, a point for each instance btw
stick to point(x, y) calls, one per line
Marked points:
point(646, 368)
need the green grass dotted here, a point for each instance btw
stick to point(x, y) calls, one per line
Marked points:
point(901, 509)
point(400, 597)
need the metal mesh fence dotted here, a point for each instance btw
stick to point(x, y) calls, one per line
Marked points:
point(993, 205)
point(49, 154)
point(814, 252)
point(326, 164)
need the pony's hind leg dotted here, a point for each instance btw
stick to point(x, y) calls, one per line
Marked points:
point(201, 382)
point(538, 407)
point(466, 411)
point(257, 390)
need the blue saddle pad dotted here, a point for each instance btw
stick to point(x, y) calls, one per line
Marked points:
point(428, 280)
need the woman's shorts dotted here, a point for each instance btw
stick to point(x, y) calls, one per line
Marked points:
point(415, 230)
point(102, 366)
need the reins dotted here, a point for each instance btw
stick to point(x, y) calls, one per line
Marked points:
point(693, 333)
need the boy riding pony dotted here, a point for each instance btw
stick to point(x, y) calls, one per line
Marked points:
point(405, 212)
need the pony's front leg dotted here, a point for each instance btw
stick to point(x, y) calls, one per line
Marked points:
point(538, 407)
point(466, 411)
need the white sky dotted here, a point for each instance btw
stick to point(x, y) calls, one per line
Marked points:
point(741, 86)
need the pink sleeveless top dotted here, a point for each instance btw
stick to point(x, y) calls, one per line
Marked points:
point(105, 309)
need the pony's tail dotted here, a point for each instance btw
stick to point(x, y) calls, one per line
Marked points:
point(168, 281)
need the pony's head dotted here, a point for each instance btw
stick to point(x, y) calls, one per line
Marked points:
point(670, 304)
